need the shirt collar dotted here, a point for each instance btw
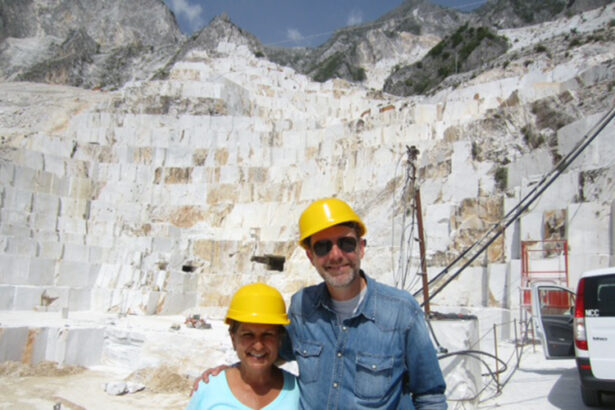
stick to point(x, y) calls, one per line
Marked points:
point(367, 307)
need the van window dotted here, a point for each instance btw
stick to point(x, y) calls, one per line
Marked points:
point(555, 301)
point(600, 295)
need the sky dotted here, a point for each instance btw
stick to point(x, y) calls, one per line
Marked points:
point(291, 23)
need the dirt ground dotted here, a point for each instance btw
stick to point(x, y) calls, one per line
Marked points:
point(46, 385)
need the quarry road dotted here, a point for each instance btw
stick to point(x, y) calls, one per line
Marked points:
point(543, 384)
point(537, 384)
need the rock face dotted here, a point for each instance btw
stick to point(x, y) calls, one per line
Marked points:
point(85, 43)
point(519, 13)
point(401, 37)
point(104, 44)
point(467, 49)
point(169, 193)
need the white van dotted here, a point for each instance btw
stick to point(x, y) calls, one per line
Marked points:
point(583, 328)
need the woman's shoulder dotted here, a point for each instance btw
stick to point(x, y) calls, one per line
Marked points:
point(214, 391)
point(289, 396)
point(214, 384)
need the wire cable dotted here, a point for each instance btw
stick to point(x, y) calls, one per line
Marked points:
point(497, 229)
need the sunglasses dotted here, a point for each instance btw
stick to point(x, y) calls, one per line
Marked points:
point(345, 244)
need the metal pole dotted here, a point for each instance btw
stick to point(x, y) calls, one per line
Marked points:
point(419, 218)
point(566, 260)
point(533, 336)
point(495, 343)
point(516, 342)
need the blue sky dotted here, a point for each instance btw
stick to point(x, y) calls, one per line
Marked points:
point(290, 23)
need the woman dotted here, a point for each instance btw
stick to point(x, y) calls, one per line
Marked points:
point(256, 319)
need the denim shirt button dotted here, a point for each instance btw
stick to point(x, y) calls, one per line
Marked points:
point(344, 328)
point(374, 366)
point(335, 385)
point(339, 354)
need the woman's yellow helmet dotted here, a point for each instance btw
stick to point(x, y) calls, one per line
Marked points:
point(257, 303)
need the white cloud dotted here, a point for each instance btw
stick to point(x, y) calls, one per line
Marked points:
point(293, 34)
point(355, 17)
point(191, 12)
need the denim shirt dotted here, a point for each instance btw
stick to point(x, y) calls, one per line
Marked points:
point(381, 357)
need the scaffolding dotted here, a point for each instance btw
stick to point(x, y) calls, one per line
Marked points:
point(544, 261)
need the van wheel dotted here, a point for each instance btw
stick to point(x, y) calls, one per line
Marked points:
point(590, 397)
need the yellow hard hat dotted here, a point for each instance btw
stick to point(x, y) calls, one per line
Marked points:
point(325, 213)
point(258, 303)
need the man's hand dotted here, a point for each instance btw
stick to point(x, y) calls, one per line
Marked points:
point(205, 376)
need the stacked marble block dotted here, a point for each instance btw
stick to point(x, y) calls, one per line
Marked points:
point(63, 345)
point(67, 241)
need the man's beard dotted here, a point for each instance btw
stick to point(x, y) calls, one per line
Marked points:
point(339, 281)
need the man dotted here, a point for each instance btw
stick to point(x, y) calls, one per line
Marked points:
point(358, 343)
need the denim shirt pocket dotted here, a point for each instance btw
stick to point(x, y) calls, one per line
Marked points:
point(307, 355)
point(373, 377)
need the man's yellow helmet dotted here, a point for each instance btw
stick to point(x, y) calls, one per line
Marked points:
point(325, 213)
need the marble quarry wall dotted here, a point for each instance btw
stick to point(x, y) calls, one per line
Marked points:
point(170, 194)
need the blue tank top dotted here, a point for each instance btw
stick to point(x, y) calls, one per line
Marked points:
point(218, 395)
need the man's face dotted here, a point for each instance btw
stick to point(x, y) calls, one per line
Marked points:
point(338, 267)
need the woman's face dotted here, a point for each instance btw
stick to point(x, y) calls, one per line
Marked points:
point(256, 344)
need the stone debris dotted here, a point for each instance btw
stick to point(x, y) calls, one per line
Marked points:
point(196, 322)
point(163, 379)
point(118, 388)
